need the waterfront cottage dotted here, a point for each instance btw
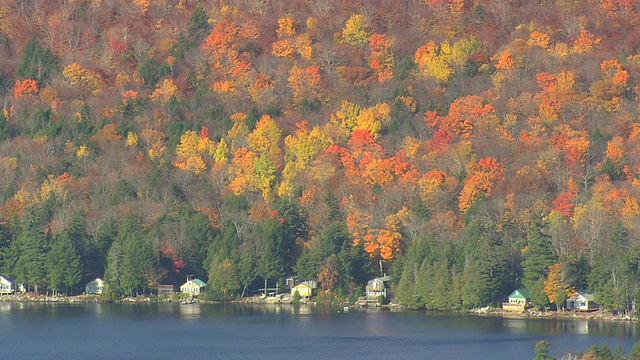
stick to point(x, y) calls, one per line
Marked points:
point(193, 287)
point(582, 301)
point(376, 287)
point(520, 297)
point(6, 286)
point(94, 287)
point(304, 289)
point(518, 300)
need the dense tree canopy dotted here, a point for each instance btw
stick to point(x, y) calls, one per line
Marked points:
point(463, 147)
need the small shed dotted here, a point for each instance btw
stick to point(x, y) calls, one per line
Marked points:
point(582, 301)
point(375, 288)
point(6, 286)
point(193, 287)
point(305, 288)
point(94, 287)
point(166, 290)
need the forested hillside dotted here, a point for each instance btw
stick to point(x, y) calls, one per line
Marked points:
point(465, 147)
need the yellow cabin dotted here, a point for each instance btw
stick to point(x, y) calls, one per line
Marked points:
point(304, 289)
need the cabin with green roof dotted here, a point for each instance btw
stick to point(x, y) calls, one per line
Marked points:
point(518, 300)
point(520, 297)
point(193, 287)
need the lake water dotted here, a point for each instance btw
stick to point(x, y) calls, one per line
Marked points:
point(234, 331)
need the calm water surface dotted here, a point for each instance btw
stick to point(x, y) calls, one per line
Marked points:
point(165, 331)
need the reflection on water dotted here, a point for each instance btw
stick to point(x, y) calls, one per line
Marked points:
point(189, 311)
point(546, 326)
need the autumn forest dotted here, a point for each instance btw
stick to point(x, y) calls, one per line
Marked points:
point(467, 148)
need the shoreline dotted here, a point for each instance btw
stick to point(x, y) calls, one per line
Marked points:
point(487, 311)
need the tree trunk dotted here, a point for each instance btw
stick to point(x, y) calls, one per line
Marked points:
point(265, 288)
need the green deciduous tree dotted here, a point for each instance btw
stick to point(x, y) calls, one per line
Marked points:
point(538, 298)
point(223, 280)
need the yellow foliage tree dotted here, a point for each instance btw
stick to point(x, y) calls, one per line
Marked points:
point(265, 176)
point(79, 76)
point(431, 62)
point(191, 150)
point(222, 152)
point(132, 139)
point(165, 91)
point(539, 39)
point(347, 117)
point(238, 131)
point(242, 171)
point(266, 137)
point(155, 142)
point(352, 117)
point(355, 31)
point(282, 48)
point(285, 27)
point(303, 46)
point(304, 145)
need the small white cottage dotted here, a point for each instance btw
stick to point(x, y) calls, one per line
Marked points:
point(582, 301)
point(6, 286)
point(94, 287)
point(376, 287)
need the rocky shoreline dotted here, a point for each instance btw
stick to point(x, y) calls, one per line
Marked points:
point(486, 311)
point(50, 299)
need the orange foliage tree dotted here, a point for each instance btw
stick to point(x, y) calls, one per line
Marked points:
point(465, 114)
point(304, 83)
point(381, 56)
point(481, 180)
point(554, 287)
point(26, 87)
point(228, 60)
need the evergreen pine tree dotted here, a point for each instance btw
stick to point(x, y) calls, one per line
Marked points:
point(538, 255)
point(64, 265)
point(31, 250)
point(36, 62)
